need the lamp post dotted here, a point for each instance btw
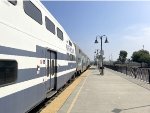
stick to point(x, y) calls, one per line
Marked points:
point(101, 50)
point(96, 57)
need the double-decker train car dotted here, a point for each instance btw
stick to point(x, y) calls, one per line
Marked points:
point(87, 62)
point(83, 62)
point(37, 57)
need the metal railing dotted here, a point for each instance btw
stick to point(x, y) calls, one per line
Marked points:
point(135, 72)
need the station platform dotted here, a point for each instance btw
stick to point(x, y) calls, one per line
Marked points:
point(113, 92)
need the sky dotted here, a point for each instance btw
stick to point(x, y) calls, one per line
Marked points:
point(126, 24)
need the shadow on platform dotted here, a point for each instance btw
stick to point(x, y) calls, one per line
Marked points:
point(98, 74)
point(116, 110)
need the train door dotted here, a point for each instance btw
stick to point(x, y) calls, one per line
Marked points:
point(82, 65)
point(51, 69)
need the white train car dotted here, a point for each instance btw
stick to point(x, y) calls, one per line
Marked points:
point(83, 62)
point(37, 57)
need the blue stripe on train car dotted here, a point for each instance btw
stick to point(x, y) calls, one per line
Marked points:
point(22, 101)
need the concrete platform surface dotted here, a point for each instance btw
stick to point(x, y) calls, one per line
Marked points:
point(110, 93)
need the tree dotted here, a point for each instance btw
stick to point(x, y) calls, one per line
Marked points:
point(122, 56)
point(141, 56)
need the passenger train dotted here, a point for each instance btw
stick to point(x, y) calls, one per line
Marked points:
point(37, 57)
point(82, 61)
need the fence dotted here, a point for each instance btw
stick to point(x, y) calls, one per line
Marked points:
point(135, 72)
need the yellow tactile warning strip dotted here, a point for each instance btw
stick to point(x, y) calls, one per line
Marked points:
point(56, 104)
point(76, 97)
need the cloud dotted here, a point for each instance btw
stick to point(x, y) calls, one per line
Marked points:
point(130, 39)
point(139, 33)
point(146, 31)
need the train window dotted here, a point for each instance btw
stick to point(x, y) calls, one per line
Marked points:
point(70, 43)
point(79, 51)
point(53, 67)
point(79, 59)
point(59, 33)
point(32, 11)
point(72, 57)
point(14, 2)
point(48, 68)
point(68, 57)
point(8, 72)
point(50, 25)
